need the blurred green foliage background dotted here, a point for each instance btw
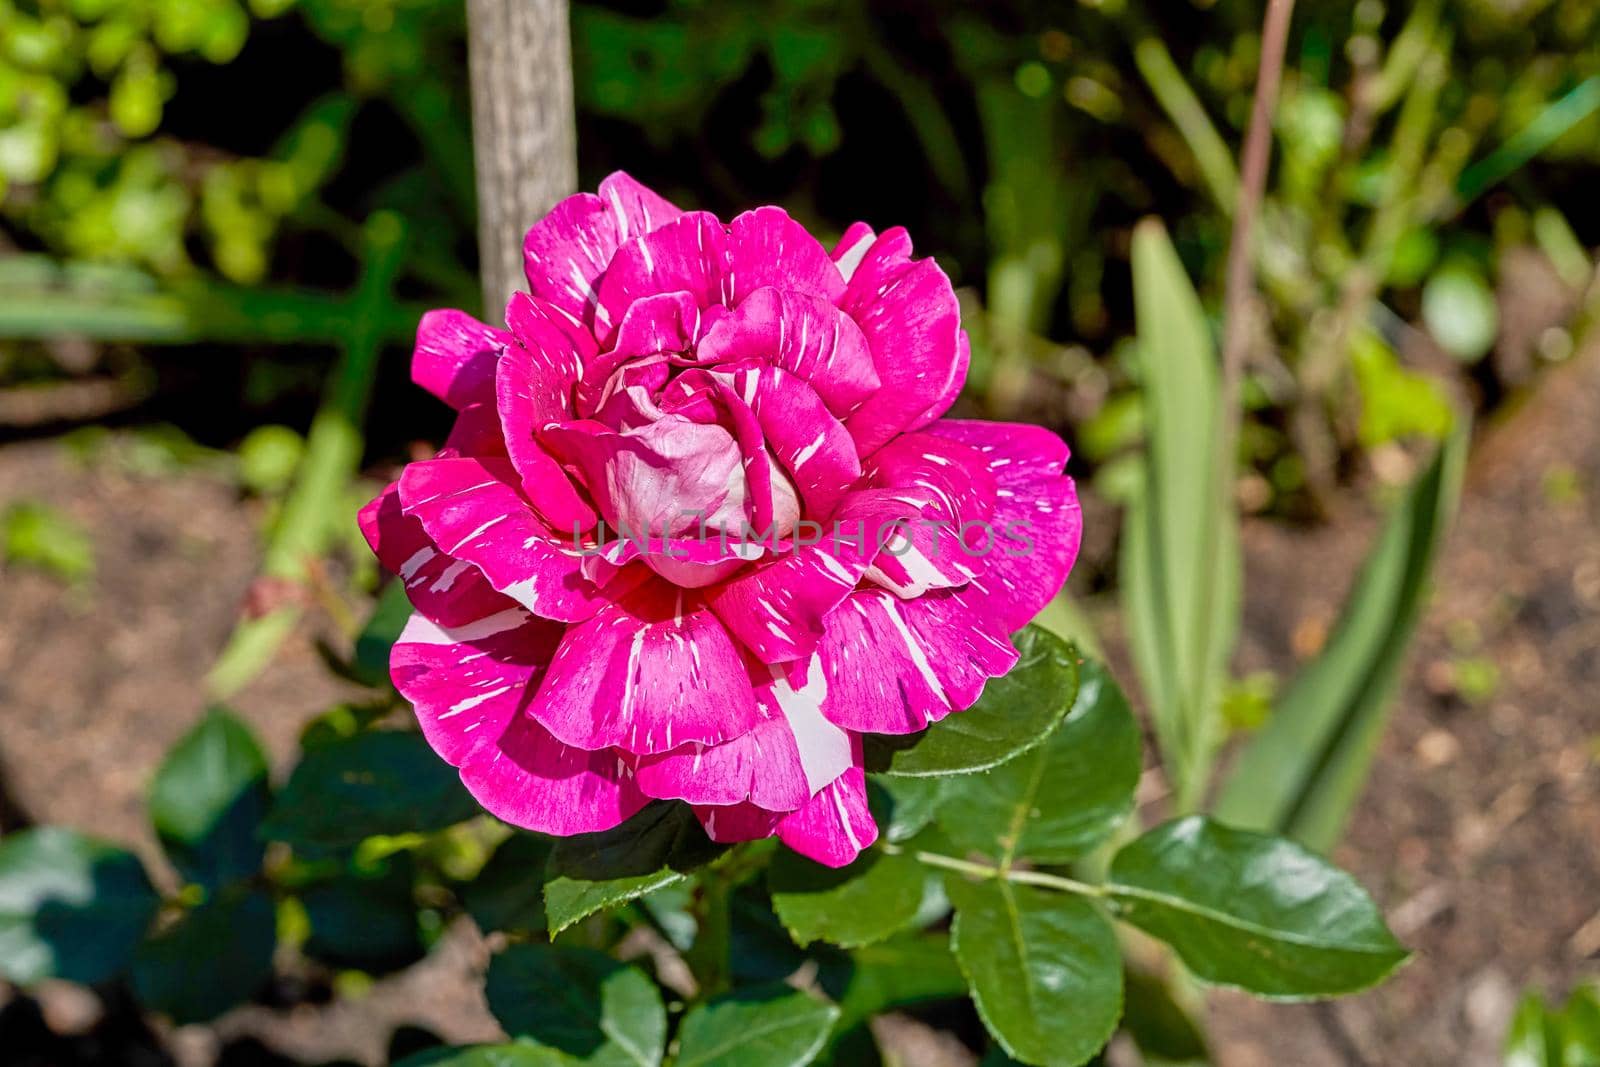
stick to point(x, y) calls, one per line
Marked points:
point(183, 173)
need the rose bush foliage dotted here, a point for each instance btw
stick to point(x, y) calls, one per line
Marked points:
point(701, 524)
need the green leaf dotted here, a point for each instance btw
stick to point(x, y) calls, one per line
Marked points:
point(1580, 1028)
point(217, 956)
point(1534, 1037)
point(365, 920)
point(1043, 967)
point(592, 872)
point(208, 799)
point(1258, 913)
point(1303, 772)
point(1055, 802)
point(858, 904)
point(380, 782)
point(508, 894)
point(773, 1026)
point(1180, 553)
point(904, 970)
point(908, 805)
point(516, 1054)
point(1016, 712)
point(1540, 1036)
point(585, 1003)
point(70, 906)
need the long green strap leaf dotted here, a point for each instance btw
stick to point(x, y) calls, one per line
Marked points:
point(1303, 773)
point(1180, 555)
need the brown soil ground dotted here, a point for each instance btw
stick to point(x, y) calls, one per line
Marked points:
point(1480, 829)
point(97, 683)
point(1480, 833)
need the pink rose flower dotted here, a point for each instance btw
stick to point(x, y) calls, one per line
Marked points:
point(709, 383)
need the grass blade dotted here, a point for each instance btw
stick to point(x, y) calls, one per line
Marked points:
point(1180, 555)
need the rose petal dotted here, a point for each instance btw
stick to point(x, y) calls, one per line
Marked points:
point(762, 767)
point(533, 781)
point(895, 666)
point(777, 608)
point(455, 357)
point(567, 251)
point(449, 591)
point(1036, 518)
point(852, 248)
point(835, 825)
point(467, 681)
point(798, 431)
point(715, 264)
point(649, 672)
point(910, 316)
point(768, 248)
point(533, 387)
point(660, 478)
point(953, 493)
point(733, 823)
point(805, 336)
point(472, 510)
point(476, 432)
point(797, 693)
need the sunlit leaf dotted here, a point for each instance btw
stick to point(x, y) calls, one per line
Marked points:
point(770, 1026)
point(592, 872)
point(1056, 801)
point(1259, 913)
point(1044, 968)
point(1180, 555)
point(858, 904)
point(1016, 712)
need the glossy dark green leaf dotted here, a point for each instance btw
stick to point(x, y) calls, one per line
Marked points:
point(1015, 713)
point(1303, 772)
point(217, 956)
point(858, 904)
point(508, 894)
point(771, 1026)
point(208, 799)
point(904, 806)
point(1043, 967)
point(515, 1054)
point(380, 782)
point(366, 920)
point(70, 906)
point(592, 872)
point(1259, 913)
point(584, 1003)
point(1058, 800)
point(904, 970)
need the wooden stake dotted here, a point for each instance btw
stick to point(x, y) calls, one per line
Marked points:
point(523, 131)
